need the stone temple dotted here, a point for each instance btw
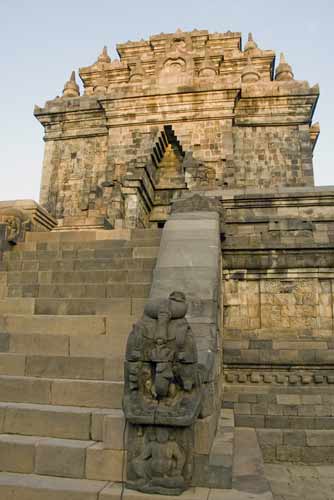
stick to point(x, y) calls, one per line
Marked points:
point(167, 309)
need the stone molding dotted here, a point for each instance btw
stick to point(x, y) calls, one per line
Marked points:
point(299, 377)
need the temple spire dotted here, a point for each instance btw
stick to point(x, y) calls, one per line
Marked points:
point(104, 56)
point(283, 70)
point(250, 45)
point(71, 88)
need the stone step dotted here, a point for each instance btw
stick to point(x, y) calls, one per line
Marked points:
point(37, 487)
point(79, 368)
point(87, 245)
point(93, 235)
point(84, 306)
point(75, 264)
point(53, 324)
point(14, 305)
point(106, 346)
point(303, 446)
point(73, 367)
point(58, 324)
point(24, 253)
point(77, 290)
point(114, 491)
point(63, 353)
point(58, 421)
point(105, 276)
point(248, 474)
point(65, 392)
point(214, 467)
point(43, 455)
point(72, 306)
point(28, 343)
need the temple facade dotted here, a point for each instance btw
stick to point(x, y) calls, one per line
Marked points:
point(174, 114)
point(167, 308)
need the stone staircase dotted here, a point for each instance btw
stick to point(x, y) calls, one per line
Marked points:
point(68, 301)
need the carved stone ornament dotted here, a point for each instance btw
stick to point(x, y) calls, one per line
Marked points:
point(16, 223)
point(195, 203)
point(162, 378)
point(159, 459)
point(162, 397)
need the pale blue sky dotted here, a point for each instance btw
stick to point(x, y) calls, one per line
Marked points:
point(42, 41)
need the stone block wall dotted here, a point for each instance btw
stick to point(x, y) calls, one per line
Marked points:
point(269, 156)
point(74, 171)
point(284, 303)
point(278, 287)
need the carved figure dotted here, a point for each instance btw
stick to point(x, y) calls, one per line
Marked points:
point(162, 388)
point(16, 223)
point(161, 370)
point(160, 465)
point(13, 228)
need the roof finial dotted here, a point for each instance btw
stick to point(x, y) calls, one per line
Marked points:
point(283, 70)
point(71, 88)
point(250, 73)
point(250, 45)
point(104, 57)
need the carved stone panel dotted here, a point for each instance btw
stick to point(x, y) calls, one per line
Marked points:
point(16, 223)
point(162, 397)
point(162, 378)
point(159, 459)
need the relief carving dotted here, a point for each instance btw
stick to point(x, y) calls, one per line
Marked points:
point(162, 395)
point(161, 464)
point(16, 223)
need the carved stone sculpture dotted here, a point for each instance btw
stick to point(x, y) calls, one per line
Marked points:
point(159, 465)
point(162, 397)
point(16, 223)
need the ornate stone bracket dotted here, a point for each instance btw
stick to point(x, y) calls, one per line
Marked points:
point(15, 223)
point(162, 397)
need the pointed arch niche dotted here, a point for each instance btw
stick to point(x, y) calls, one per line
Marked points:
point(167, 156)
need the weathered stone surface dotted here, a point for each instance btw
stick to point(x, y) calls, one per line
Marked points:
point(35, 487)
point(61, 457)
point(65, 367)
point(87, 393)
point(105, 464)
point(162, 397)
point(113, 491)
point(17, 453)
point(46, 420)
point(248, 239)
point(114, 435)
